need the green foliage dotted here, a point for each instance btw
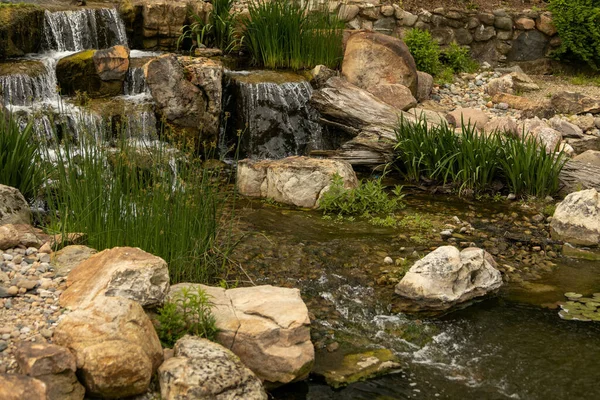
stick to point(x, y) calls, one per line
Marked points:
point(424, 50)
point(474, 160)
point(578, 26)
point(155, 198)
point(217, 30)
point(188, 313)
point(459, 59)
point(283, 34)
point(19, 157)
point(368, 198)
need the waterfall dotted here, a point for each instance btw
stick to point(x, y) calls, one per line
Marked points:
point(135, 82)
point(274, 115)
point(83, 29)
point(22, 89)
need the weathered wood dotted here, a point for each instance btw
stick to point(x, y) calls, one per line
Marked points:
point(577, 175)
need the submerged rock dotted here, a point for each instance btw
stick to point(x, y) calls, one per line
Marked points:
point(266, 326)
point(201, 369)
point(359, 367)
point(447, 277)
point(299, 181)
point(121, 271)
point(577, 218)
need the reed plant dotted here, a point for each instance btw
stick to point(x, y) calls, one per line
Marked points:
point(285, 34)
point(141, 195)
point(20, 163)
point(475, 160)
point(217, 29)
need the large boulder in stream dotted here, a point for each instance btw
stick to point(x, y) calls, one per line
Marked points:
point(299, 181)
point(372, 59)
point(577, 218)
point(187, 92)
point(447, 277)
point(99, 73)
point(267, 327)
point(201, 369)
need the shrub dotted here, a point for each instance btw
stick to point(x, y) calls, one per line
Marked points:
point(424, 50)
point(19, 157)
point(218, 32)
point(151, 197)
point(188, 313)
point(578, 26)
point(459, 58)
point(283, 34)
point(368, 198)
point(474, 160)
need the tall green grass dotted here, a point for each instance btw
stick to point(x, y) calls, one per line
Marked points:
point(151, 197)
point(475, 160)
point(19, 157)
point(217, 30)
point(284, 34)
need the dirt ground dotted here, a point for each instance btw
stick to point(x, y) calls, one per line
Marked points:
point(550, 84)
point(479, 5)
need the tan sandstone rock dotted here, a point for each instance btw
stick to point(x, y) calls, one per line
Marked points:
point(9, 237)
point(115, 345)
point(69, 257)
point(267, 327)
point(121, 271)
point(300, 181)
point(13, 207)
point(21, 387)
point(397, 96)
point(201, 369)
point(467, 116)
point(372, 59)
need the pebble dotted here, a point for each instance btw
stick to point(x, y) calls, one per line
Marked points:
point(388, 260)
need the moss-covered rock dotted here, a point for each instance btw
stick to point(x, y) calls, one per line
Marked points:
point(99, 73)
point(22, 67)
point(20, 29)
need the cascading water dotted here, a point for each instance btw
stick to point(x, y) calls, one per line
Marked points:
point(135, 82)
point(23, 89)
point(83, 29)
point(273, 113)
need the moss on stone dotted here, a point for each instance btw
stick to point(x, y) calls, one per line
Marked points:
point(22, 67)
point(20, 29)
point(361, 366)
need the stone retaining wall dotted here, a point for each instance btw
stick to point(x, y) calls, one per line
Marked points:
point(496, 37)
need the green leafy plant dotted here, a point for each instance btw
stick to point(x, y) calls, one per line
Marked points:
point(578, 25)
point(153, 197)
point(19, 157)
point(474, 160)
point(459, 58)
point(425, 50)
point(187, 313)
point(284, 34)
point(217, 29)
point(368, 198)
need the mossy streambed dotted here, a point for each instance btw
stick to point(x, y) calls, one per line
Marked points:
point(512, 346)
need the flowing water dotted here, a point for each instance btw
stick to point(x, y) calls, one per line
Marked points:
point(272, 112)
point(508, 347)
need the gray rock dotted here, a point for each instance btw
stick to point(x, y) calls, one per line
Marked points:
point(13, 207)
point(530, 45)
point(484, 33)
point(589, 157)
point(577, 218)
point(575, 103)
point(425, 86)
point(567, 129)
point(504, 23)
point(201, 369)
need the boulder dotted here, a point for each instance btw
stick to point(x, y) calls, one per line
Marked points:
point(9, 237)
point(467, 116)
point(505, 124)
point(567, 129)
point(447, 277)
point(548, 137)
point(397, 96)
point(267, 327)
point(30, 236)
point(69, 257)
point(503, 84)
point(115, 345)
point(372, 59)
point(530, 108)
point(591, 157)
point(575, 103)
point(21, 387)
point(299, 181)
point(13, 207)
point(528, 46)
point(577, 219)
point(516, 81)
point(187, 92)
point(99, 73)
point(425, 86)
point(545, 24)
point(201, 369)
point(54, 365)
point(21, 30)
point(121, 271)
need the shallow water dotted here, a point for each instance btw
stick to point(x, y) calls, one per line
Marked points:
point(508, 347)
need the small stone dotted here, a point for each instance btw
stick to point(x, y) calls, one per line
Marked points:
point(18, 259)
point(388, 260)
point(511, 196)
point(3, 346)
point(46, 249)
point(13, 291)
